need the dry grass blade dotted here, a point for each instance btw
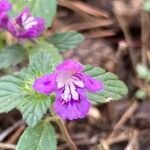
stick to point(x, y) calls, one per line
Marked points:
point(16, 135)
point(145, 19)
point(129, 112)
point(100, 33)
point(133, 144)
point(105, 143)
point(5, 133)
point(7, 146)
point(124, 19)
point(87, 25)
point(80, 6)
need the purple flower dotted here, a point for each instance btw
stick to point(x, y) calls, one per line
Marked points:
point(3, 20)
point(5, 6)
point(26, 26)
point(70, 85)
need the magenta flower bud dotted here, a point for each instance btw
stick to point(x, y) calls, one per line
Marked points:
point(26, 26)
point(70, 84)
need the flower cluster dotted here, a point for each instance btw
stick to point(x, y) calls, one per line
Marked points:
point(70, 85)
point(23, 26)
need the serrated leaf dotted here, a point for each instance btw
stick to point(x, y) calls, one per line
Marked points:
point(12, 55)
point(44, 61)
point(10, 92)
point(33, 107)
point(114, 89)
point(41, 8)
point(40, 137)
point(66, 40)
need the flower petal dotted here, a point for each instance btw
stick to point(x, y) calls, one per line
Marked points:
point(26, 26)
point(4, 19)
point(5, 5)
point(45, 84)
point(73, 109)
point(92, 84)
point(70, 65)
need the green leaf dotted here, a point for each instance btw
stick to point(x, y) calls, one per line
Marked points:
point(141, 94)
point(44, 61)
point(41, 8)
point(12, 55)
point(10, 92)
point(40, 137)
point(33, 107)
point(147, 5)
point(16, 92)
point(66, 40)
point(114, 89)
point(143, 72)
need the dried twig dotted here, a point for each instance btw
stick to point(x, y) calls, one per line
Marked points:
point(5, 133)
point(7, 146)
point(129, 112)
point(145, 20)
point(87, 25)
point(82, 7)
point(120, 10)
point(100, 33)
point(133, 144)
point(105, 143)
point(16, 135)
point(78, 142)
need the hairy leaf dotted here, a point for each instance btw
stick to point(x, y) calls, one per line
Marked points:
point(114, 89)
point(40, 137)
point(12, 55)
point(44, 60)
point(66, 40)
point(10, 92)
point(33, 107)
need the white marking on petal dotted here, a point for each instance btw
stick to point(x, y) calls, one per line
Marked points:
point(73, 91)
point(30, 25)
point(29, 22)
point(69, 83)
point(79, 83)
point(66, 93)
point(60, 83)
point(24, 17)
point(62, 79)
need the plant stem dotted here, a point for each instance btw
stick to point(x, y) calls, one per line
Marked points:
point(63, 129)
point(66, 135)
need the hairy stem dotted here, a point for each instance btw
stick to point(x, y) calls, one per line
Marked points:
point(66, 135)
point(63, 129)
